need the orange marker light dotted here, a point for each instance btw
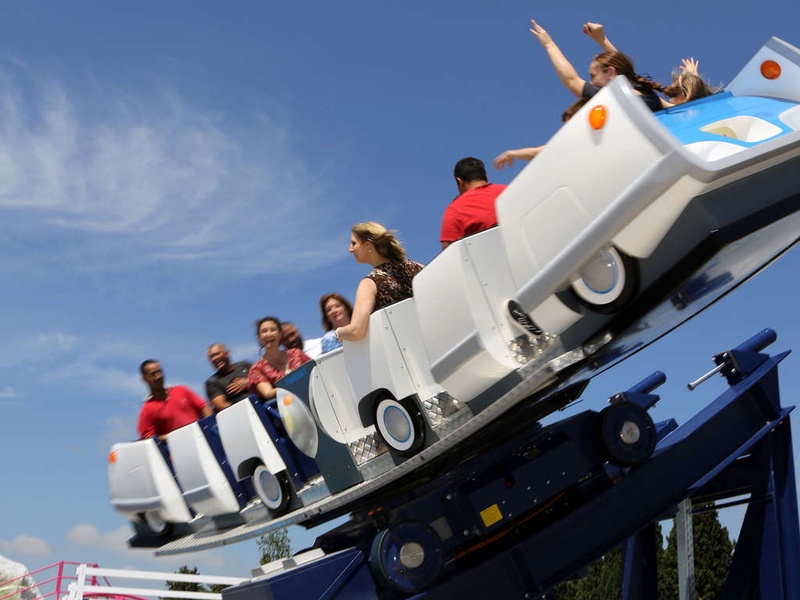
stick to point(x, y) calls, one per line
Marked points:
point(597, 117)
point(112, 457)
point(287, 400)
point(770, 69)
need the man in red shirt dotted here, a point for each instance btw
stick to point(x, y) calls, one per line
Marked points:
point(167, 409)
point(473, 209)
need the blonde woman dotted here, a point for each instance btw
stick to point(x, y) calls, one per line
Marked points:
point(387, 283)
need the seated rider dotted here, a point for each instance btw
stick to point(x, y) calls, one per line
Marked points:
point(687, 84)
point(336, 312)
point(166, 409)
point(291, 338)
point(473, 209)
point(388, 282)
point(275, 363)
point(228, 384)
point(507, 158)
point(603, 68)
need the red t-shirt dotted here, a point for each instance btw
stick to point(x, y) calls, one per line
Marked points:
point(181, 407)
point(471, 212)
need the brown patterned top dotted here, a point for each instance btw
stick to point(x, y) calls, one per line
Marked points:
point(393, 280)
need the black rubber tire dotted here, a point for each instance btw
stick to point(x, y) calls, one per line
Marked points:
point(273, 490)
point(407, 557)
point(410, 417)
point(163, 530)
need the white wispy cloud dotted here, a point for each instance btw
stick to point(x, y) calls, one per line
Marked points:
point(73, 357)
point(102, 179)
point(25, 545)
point(86, 535)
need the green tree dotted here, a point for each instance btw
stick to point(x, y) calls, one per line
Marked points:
point(184, 586)
point(274, 545)
point(713, 550)
point(603, 580)
point(181, 586)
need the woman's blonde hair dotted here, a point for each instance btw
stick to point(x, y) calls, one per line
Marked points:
point(690, 85)
point(384, 240)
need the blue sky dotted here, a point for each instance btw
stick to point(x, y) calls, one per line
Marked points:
point(170, 172)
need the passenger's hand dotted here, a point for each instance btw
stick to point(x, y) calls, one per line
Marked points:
point(237, 386)
point(690, 66)
point(504, 160)
point(541, 34)
point(596, 31)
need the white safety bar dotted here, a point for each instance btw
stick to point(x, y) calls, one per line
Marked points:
point(79, 588)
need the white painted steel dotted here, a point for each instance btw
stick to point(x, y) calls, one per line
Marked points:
point(244, 437)
point(333, 400)
point(750, 81)
point(140, 480)
point(205, 487)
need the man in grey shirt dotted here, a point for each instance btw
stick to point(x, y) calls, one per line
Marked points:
point(229, 384)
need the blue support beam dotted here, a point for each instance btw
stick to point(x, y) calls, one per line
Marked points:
point(739, 444)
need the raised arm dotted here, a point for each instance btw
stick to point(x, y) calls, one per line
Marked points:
point(507, 158)
point(690, 66)
point(564, 69)
point(597, 32)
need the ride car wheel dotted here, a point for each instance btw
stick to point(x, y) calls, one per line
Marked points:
point(400, 425)
point(407, 557)
point(607, 282)
point(156, 524)
point(627, 433)
point(272, 489)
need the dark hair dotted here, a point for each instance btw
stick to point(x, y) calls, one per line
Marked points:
point(573, 108)
point(623, 65)
point(298, 343)
point(275, 320)
point(470, 169)
point(326, 324)
point(149, 361)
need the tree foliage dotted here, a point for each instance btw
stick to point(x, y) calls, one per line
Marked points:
point(603, 581)
point(182, 586)
point(185, 586)
point(713, 550)
point(274, 545)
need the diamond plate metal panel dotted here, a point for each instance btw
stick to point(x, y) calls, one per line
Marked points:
point(366, 448)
